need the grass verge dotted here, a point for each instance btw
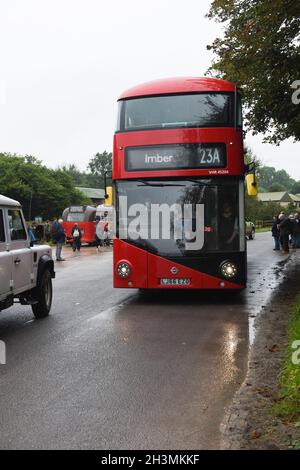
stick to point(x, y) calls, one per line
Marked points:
point(287, 405)
point(263, 229)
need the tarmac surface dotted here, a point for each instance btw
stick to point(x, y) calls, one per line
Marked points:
point(113, 369)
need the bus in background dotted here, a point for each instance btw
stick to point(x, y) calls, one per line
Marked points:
point(178, 144)
point(84, 216)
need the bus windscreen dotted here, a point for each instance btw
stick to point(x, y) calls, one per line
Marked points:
point(75, 217)
point(223, 228)
point(176, 111)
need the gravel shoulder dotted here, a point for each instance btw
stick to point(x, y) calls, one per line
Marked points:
point(249, 422)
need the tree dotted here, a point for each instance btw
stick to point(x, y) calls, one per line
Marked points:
point(260, 53)
point(101, 164)
point(80, 178)
point(252, 208)
point(295, 189)
point(268, 177)
point(268, 210)
point(283, 178)
point(256, 210)
point(249, 157)
point(41, 191)
point(276, 187)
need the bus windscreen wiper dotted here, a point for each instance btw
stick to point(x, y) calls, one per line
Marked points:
point(159, 185)
point(201, 182)
point(174, 124)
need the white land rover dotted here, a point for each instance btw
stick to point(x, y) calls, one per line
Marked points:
point(26, 271)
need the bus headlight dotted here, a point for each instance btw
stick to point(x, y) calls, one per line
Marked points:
point(228, 269)
point(123, 269)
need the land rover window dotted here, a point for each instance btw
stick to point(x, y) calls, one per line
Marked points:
point(16, 226)
point(2, 233)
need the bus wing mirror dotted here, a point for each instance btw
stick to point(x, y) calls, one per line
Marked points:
point(108, 196)
point(252, 186)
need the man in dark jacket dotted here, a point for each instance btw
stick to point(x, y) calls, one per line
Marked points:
point(296, 234)
point(284, 227)
point(60, 239)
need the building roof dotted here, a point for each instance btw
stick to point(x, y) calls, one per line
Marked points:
point(7, 201)
point(178, 85)
point(295, 197)
point(92, 193)
point(278, 196)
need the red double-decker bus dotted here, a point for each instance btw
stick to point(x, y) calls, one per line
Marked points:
point(178, 160)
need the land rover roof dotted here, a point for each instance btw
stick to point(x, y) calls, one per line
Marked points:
point(6, 201)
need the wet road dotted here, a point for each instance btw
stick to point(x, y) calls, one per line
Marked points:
point(111, 369)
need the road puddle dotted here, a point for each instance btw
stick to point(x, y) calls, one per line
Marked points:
point(261, 289)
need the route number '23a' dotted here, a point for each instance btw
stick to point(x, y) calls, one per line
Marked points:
point(209, 156)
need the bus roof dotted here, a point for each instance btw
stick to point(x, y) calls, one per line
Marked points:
point(178, 85)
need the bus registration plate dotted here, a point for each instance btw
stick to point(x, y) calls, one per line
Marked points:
point(178, 281)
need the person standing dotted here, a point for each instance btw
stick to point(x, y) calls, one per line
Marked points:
point(60, 239)
point(284, 227)
point(275, 233)
point(47, 231)
point(76, 234)
point(31, 234)
point(296, 234)
point(98, 242)
point(292, 229)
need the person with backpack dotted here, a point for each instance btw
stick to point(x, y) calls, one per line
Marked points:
point(76, 234)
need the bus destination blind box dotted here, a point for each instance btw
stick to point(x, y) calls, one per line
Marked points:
point(172, 157)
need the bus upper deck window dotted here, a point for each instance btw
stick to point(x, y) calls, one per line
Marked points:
point(118, 123)
point(239, 111)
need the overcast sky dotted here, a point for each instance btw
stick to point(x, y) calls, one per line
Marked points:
point(64, 63)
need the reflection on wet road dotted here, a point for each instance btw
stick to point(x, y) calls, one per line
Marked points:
point(116, 369)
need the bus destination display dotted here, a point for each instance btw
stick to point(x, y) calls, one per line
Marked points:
point(172, 157)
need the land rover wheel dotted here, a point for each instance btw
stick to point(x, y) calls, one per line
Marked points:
point(43, 295)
